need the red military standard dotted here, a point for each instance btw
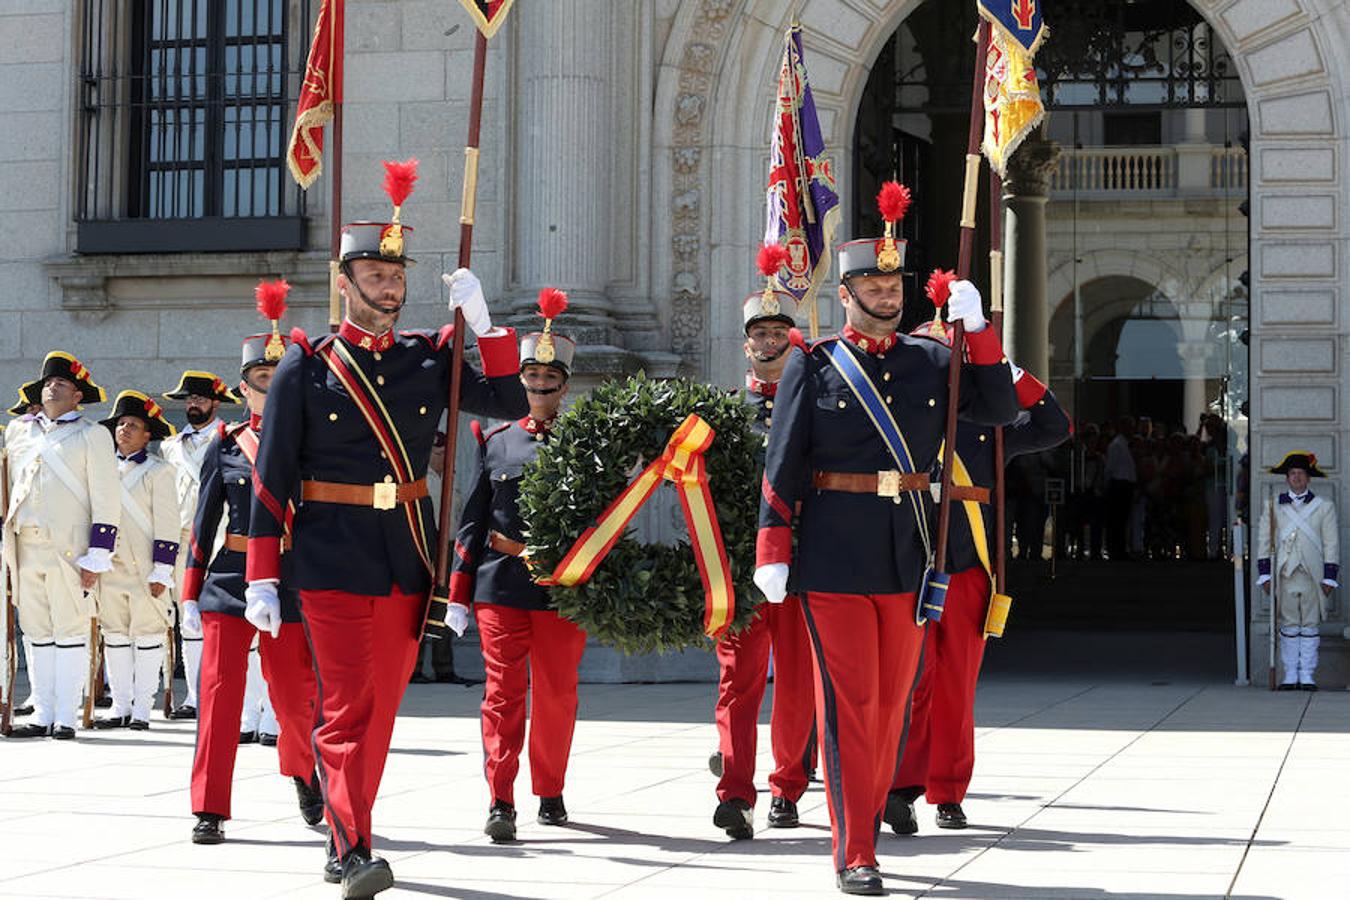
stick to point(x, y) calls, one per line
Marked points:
point(939, 751)
point(778, 628)
point(527, 647)
point(858, 421)
point(348, 433)
point(214, 608)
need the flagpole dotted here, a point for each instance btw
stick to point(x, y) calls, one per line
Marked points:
point(336, 65)
point(968, 206)
point(1000, 572)
point(441, 594)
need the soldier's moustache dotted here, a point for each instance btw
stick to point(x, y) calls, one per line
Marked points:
point(197, 416)
point(543, 392)
point(865, 308)
point(760, 356)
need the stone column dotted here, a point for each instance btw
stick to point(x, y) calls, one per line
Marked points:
point(564, 199)
point(1194, 366)
point(1026, 317)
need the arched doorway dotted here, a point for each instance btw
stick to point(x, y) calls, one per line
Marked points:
point(1146, 221)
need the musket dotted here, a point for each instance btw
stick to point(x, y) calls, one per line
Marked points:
point(170, 664)
point(440, 597)
point(91, 684)
point(10, 610)
point(968, 207)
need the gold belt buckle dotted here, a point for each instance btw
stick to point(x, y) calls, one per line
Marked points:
point(888, 483)
point(386, 495)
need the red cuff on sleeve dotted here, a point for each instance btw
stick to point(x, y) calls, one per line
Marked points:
point(192, 583)
point(774, 545)
point(983, 348)
point(461, 588)
point(500, 353)
point(1029, 390)
point(264, 559)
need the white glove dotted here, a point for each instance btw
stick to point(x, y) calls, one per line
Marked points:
point(161, 573)
point(263, 607)
point(95, 559)
point(1264, 579)
point(466, 295)
point(1017, 371)
point(772, 580)
point(965, 304)
point(457, 618)
point(190, 619)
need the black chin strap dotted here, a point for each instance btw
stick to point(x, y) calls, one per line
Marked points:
point(351, 281)
point(542, 392)
point(848, 286)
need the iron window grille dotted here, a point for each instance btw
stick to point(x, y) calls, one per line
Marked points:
point(184, 114)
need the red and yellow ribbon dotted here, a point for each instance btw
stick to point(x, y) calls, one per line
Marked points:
point(682, 463)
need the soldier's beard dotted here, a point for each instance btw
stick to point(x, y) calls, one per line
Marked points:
point(197, 417)
point(364, 298)
point(881, 319)
point(760, 356)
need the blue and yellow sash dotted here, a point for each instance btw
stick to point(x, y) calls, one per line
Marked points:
point(933, 588)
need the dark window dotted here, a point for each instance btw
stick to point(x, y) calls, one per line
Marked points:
point(183, 132)
point(1141, 129)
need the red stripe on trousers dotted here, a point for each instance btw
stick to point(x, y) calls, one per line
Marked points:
point(939, 754)
point(289, 671)
point(364, 648)
point(868, 646)
point(744, 662)
point(536, 652)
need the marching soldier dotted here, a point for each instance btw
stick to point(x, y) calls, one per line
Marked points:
point(29, 403)
point(743, 658)
point(202, 394)
point(527, 646)
point(858, 420)
point(135, 603)
point(1299, 536)
point(60, 530)
point(214, 606)
point(348, 433)
point(939, 751)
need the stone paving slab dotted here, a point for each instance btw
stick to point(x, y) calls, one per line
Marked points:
point(1083, 790)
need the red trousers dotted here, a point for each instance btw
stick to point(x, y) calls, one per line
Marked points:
point(551, 647)
point(866, 649)
point(939, 754)
point(364, 649)
point(744, 662)
point(289, 671)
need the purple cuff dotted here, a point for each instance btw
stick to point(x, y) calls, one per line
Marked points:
point(166, 552)
point(102, 537)
point(1263, 566)
point(1330, 571)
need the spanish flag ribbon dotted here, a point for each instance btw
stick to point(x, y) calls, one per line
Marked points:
point(681, 462)
point(1012, 95)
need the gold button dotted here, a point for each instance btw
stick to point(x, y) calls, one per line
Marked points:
point(768, 404)
point(768, 420)
point(842, 404)
point(539, 436)
point(383, 455)
point(378, 357)
point(332, 417)
point(1003, 360)
point(422, 410)
point(1040, 402)
point(379, 379)
point(243, 481)
point(388, 478)
point(881, 356)
point(889, 399)
point(885, 376)
point(983, 438)
point(896, 499)
point(932, 402)
point(69, 554)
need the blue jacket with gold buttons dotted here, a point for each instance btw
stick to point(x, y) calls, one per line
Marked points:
point(355, 410)
point(862, 543)
point(487, 567)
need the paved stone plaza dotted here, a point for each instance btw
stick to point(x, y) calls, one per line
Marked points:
point(1084, 788)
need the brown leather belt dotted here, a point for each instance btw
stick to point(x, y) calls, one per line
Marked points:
point(970, 492)
point(382, 495)
point(503, 544)
point(882, 484)
point(238, 543)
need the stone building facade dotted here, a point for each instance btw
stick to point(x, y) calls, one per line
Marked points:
point(624, 150)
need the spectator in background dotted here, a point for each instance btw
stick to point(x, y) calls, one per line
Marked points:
point(1122, 480)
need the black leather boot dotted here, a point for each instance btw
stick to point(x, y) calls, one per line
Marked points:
point(950, 815)
point(364, 875)
point(208, 829)
point(864, 880)
point(501, 823)
point(552, 811)
point(310, 797)
point(332, 868)
point(736, 818)
point(783, 813)
point(899, 814)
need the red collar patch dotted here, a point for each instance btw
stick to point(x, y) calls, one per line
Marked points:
point(763, 388)
point(868, 344)
point(358, 337)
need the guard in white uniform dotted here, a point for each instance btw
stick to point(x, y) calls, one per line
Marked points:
point(135, 599)
point(202, 394)
point(1299, 539)
point(30, 401)
point(59, 533)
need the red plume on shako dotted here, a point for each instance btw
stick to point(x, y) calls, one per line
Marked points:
point(893, 201)
point(271, 297)
point(398, 184)
point(552, 303)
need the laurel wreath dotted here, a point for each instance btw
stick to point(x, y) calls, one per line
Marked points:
point(642, 598)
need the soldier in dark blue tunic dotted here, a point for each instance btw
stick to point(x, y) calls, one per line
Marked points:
point(351, 418)
point(527, 647)
point(862, 531)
